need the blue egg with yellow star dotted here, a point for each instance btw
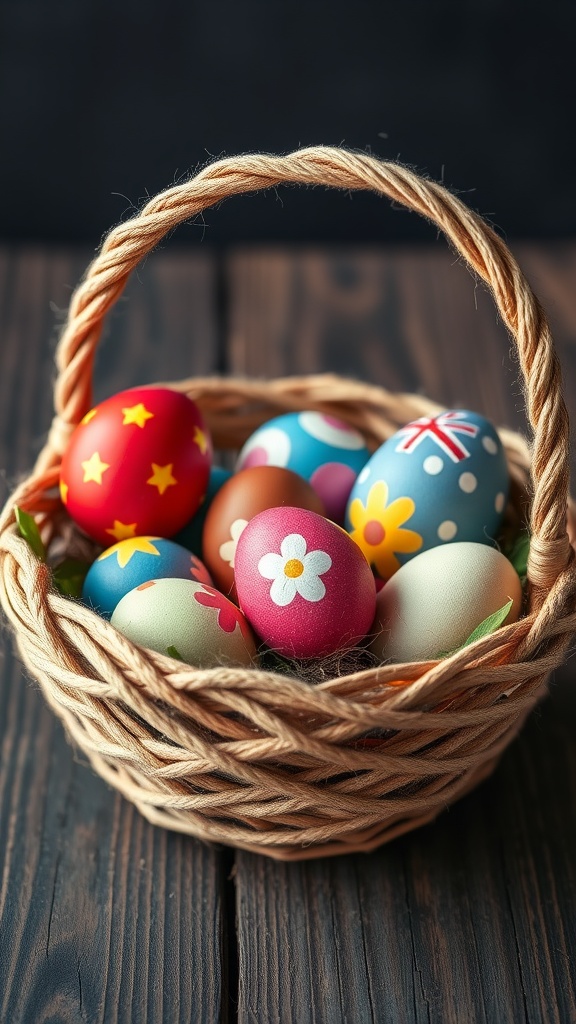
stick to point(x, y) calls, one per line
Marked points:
point(137, 560)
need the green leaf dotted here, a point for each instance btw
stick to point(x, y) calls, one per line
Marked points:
point(30, 532)
point(489, 625)
point(518, 553)
point(174, 653)
point(69, 576)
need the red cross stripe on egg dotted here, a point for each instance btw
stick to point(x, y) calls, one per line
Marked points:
point(443, 430)
point(137, 464)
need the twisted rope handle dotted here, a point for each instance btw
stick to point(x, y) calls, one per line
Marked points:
point(483, 250)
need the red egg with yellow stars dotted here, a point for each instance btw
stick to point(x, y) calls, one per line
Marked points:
point(137, 464)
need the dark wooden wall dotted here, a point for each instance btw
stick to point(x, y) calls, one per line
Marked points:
point(103, 103)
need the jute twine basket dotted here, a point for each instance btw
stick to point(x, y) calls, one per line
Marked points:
point(265, 761)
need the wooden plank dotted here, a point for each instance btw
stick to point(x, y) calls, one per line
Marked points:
point(472, 918)
point(165, 326)
point(102, 916)
point(550, 269)
point(411, 319)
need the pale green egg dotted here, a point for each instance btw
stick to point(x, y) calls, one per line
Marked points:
point(185, 619)
point(435, 601)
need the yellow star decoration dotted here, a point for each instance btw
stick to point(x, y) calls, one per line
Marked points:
point(122, 531)
point(64, 492)
point(89, 416)
point(162, 477)
point(200, 440)
point(94, 468)
point(377, 529)
point(128, 547)
point(137, 414)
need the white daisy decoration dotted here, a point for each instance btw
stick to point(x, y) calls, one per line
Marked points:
point(227, 550)
point(295, 571)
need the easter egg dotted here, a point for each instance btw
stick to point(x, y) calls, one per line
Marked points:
point(136, 560)
point(304, 586)
point(237, 502)
point(322, 449)
point(439, 479)
point(191, 534)
point(188, 620)
point(137, 464)
point(435, 602)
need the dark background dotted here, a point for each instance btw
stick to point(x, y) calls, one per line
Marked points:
point(102, 916)
point(105, 101)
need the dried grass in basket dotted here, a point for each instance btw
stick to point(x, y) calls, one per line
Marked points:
point(264, 761)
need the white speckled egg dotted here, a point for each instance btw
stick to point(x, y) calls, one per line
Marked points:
point(192, 620)
point(434, 602)
point(438, 480)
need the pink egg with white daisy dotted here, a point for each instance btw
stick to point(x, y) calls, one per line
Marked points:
point(303, 584)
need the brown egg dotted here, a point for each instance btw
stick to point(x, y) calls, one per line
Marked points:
point(242, 497)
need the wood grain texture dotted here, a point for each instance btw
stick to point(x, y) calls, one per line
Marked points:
point(408, 319)
point(471, 919)
point(103, 918)
point(106, 919)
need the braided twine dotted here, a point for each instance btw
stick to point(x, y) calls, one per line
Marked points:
point(264, 761)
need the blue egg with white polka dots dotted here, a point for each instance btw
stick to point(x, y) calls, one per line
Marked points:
point(438, 479)
point(136, 560)
point(323, 449)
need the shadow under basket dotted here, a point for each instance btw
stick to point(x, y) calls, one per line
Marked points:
point(255, 759)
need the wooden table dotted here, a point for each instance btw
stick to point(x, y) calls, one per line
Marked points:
point(104, 918)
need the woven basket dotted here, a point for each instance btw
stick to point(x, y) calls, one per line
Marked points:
point(254, 759)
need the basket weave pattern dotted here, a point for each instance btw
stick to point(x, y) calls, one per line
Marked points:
point(263, 761)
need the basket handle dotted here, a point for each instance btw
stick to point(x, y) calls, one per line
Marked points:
point(486, 253)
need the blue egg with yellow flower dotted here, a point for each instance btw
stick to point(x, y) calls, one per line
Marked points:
point(439, 479)
point(133, 561)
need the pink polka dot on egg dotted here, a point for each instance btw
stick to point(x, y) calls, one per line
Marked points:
point(333, 482)
point(333, 421)
point(255, 457)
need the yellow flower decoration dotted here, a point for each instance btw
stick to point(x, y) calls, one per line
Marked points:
point(377, 529)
